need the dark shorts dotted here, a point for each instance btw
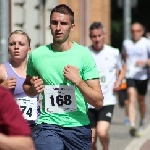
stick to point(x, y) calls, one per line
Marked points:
point(103, 114)
point(140, 85)
point(122, 96)
point(53, 137)
point(31, 124)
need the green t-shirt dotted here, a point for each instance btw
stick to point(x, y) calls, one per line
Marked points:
point(49, 65)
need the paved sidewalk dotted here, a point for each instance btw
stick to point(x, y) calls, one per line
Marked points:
point(119, 132)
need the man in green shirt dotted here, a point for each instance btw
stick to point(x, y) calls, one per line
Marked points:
point(65, 74)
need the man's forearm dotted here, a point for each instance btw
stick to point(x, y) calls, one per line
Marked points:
point(93, 97)
point(120, 78)
point(15, 143)
point(121, 74)
point(29, 90)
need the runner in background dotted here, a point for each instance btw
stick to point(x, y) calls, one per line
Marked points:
point(13, 74)
point(108, 62)
point(135, 53)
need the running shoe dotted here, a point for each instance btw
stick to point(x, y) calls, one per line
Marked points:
point(140, 132)
point(141, 128)
point(133, 132)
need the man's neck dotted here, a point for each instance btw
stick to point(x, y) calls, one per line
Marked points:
point(136, 40)
point(60, 47)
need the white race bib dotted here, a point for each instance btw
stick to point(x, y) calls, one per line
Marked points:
point(60, 99)
point(104, 78)
point(28, 106)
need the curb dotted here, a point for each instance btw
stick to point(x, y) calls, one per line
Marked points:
point(137, 143)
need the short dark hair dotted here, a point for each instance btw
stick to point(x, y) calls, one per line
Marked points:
point(97, 25)
point(63, 9)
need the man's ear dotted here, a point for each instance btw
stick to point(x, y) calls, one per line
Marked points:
point(72, 27)
point(29, 50)
point(104, 35)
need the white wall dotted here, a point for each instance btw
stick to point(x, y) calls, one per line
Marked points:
point(30, 14)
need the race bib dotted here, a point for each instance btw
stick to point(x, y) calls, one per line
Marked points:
point(104, 78)
point(28, 106)
point(60, 99)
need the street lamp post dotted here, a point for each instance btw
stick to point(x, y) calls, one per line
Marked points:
point(43, 3)
point(127, 6)
point(127, 19)
point(4, 30)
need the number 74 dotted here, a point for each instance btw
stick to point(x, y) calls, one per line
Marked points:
point(26, 110)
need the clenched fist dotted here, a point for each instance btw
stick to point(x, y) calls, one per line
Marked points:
point(37, 84)
point(9, 83)
point(71, 73)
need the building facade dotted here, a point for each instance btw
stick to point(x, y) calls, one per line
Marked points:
point(32, 16)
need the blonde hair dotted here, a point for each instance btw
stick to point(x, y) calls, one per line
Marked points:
point(20, 32)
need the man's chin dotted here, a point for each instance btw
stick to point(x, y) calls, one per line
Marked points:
point(59, 40)
point(98, 47)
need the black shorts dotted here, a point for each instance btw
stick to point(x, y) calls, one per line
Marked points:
point(103, 114)
point(140, 85)
point(122, 96)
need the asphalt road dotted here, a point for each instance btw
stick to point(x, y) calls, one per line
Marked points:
point(119, 132)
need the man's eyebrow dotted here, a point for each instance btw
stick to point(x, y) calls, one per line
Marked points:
point(61, 22)
point(54, 20)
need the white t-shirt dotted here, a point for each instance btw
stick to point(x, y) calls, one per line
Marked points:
point(136, 51)
point(108, 61)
